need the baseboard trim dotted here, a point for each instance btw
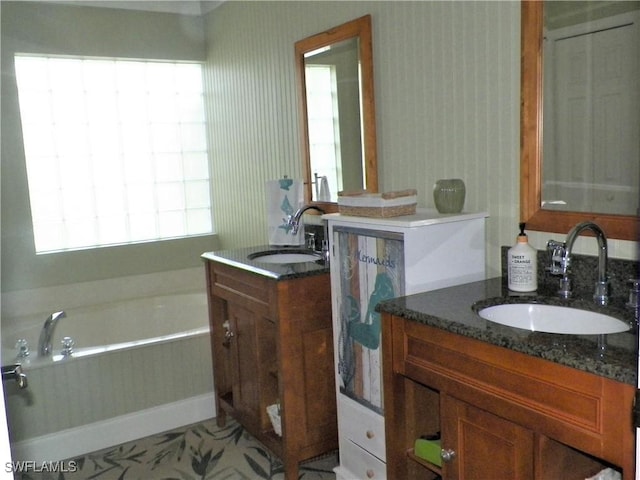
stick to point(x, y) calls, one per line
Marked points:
point(88, 438)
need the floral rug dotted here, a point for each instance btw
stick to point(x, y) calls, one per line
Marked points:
point(202, 451)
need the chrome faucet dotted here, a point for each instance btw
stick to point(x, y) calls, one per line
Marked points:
point(561, 261)
point(294, 220)
point(44, 343)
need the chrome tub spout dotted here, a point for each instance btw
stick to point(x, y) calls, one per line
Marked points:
point(44, 343)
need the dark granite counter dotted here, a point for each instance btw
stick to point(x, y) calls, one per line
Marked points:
point(239, 258)
point(451, 309)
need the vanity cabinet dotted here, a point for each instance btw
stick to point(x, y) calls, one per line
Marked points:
point(271, 343)
point(500, 413)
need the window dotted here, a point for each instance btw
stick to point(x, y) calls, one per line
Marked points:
point(116, 150)
point(324, 125)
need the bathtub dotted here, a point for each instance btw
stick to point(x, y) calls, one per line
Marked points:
point(140, 366)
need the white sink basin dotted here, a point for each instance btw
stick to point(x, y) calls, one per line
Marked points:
point(553, 319)
point(284, 257)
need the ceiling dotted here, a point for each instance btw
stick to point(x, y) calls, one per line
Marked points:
point(184, 7)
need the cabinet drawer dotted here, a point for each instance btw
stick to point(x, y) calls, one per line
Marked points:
point(362, 426)
point(356, 463)
point(234, 284)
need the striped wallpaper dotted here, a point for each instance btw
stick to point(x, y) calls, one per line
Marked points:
point(447, 82)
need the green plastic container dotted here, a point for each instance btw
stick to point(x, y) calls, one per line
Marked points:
point(428, 450)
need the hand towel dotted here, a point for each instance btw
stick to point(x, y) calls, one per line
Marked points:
point(325, 195)
point(284, 197)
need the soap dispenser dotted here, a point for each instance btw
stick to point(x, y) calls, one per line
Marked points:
point(522, 265)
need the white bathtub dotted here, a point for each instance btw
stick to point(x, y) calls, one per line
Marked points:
point(140, 366)
point(109, 326)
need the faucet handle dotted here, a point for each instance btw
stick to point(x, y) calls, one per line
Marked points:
point(564, 290)
point(601, 294)
point(325, 250)
point(23, 348)
point(311, 240)
point(67, 346)
point(634, 292)
point(557, 256)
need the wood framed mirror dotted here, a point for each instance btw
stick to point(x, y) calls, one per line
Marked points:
point(623, 227)
point(337, 112)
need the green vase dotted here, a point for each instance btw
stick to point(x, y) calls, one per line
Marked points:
point(448, 194)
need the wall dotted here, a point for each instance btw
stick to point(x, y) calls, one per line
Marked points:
point(447, 81)
point(30, 27)
point(447, 95)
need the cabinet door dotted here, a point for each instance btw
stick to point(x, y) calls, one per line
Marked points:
point(368, 267)
point(254, 382)
point(483, 445)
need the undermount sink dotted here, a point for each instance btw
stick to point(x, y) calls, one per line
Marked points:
point(293, 256)
point(553, 319)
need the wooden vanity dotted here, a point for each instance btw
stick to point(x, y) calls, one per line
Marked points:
point(501, 413)
point(271, 340)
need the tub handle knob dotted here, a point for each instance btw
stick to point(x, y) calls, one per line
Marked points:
point(14, 372)
point(23, 348)
point(228, 334)
point(67, 346)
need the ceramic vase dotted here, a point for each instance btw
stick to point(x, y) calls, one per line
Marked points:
point(449, 194)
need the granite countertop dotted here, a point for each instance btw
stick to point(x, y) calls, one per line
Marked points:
point(239, 258)
point(451, 309)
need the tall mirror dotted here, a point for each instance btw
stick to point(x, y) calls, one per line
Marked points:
point(335, 78)
point(580, 116)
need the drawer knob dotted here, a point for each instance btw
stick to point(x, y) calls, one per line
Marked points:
point(371, 473)
point(370, 434)
point(447, 454)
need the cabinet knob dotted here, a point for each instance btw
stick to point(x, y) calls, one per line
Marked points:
point(371, 473)
point(447, 454)
point(228, 333)
point(370, 434)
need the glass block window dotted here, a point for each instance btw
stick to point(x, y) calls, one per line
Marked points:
point(116, 150)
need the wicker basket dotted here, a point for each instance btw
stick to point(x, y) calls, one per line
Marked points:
point(379, 205)
point(378, 212)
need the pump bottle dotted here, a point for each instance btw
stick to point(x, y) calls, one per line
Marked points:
point(522, 265)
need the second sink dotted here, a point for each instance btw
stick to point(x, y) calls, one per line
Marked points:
point(292, 256)
point(553, 319)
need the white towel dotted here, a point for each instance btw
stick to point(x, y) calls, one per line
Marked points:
point(606, 474)
point(325, 195)
point(284, 197)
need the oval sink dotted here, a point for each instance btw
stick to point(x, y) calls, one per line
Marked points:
point(297, 256)
point(553, 319)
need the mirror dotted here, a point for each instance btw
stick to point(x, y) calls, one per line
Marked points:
point(541, 207)
point(337, 111)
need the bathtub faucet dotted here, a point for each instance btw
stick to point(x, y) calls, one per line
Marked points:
point(44, 344)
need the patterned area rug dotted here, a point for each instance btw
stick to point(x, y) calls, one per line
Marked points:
point(202, 451)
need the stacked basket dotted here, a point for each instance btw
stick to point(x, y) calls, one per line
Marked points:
point(380, 205)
